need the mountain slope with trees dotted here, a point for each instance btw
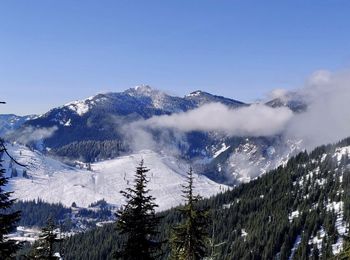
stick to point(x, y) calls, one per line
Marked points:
point(299, 211)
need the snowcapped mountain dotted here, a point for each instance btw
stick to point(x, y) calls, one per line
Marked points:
point(134, 103)
point(53, 181)
point(200, 98)
point(292, 100)
point(249, 158)
point(100, 117)
point(94, 129)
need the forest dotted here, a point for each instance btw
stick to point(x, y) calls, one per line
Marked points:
point(291, 212)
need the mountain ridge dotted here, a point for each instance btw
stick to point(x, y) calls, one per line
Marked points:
point(100, 120)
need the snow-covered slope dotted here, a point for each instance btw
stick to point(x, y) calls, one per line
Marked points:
point(54, 181)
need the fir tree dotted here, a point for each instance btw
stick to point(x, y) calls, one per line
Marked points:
point(8, 248)
point(45, 245)
point(137, 221)
point(189, 239)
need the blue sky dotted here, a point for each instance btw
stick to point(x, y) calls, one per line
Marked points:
point(52, 52)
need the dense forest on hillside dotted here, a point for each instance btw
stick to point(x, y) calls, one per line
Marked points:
point(36, 213)
point(299, 210)
point(90, 151)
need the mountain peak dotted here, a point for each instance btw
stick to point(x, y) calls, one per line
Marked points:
point(196, 93)
point(142, 90)
point(202, 97)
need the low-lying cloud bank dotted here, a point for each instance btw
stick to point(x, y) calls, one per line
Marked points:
point(326, 119)
point(31, 134)
point(254, 120)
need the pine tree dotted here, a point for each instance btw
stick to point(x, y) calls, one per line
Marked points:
point(189, 239)
point(44, 249)
point(8, 248)
point(137, 221)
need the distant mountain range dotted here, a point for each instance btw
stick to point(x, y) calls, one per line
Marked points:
point(94, 129)
point(10, 122)
point(82, 153)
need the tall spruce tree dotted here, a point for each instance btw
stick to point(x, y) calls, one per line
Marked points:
point(137, 221)
point(8, 247)
point(189, 240)
point(44, 248)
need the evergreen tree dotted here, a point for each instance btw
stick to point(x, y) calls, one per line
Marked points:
point(14, 173)
point(189, 240)
point(45, 245)
point(8, 248)
point(25, 174)
point(137, 221)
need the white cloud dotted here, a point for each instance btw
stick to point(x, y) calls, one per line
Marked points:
point(327, 118)
point(278, 93)
point(254, 120)
point(31, 134)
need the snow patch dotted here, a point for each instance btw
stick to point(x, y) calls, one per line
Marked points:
point(68, 123)
point(295, 247)
point(293, 215)
point(194, 94)
point(222, 149)
point(339, 152)
point(244, 234)
point(80, 107)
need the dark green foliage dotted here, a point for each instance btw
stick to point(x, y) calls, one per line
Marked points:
point(91, 150)
point(96, 244)
point(7, 220)
point(137, 221)
point(189, 239)
point(102, 204)
point(44, 247)
point(36, 213)
point(102, 214)
point(262, 211)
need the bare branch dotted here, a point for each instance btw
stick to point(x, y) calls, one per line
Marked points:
point(4, 149)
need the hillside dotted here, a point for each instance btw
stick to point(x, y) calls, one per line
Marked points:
point(55, 182)
point(298, 211)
